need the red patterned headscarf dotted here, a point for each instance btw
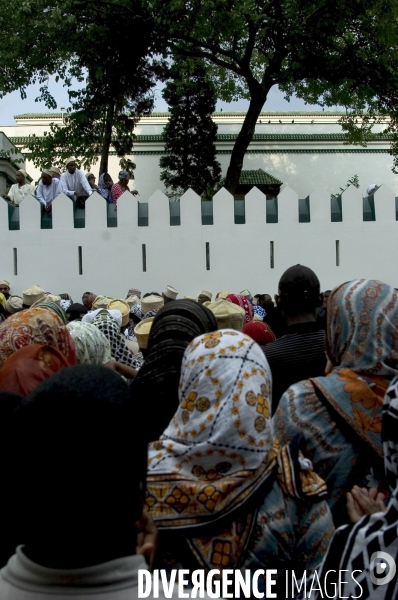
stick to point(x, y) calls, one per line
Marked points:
point(25, 369)
point(35, 326)
point(243, 303)
point(259, 332)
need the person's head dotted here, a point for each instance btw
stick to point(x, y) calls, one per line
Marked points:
point(83, 467)
point(204, 296)
point(169, 293)
point(46, 177)
point(259, 332)
point(75, 312)
point(92, 347)
point(88, 298)
point(244, 303)
point(362, 328)
point(108, 181)
point(5, 288)
point(91, 180)
point(326, 297)
point(266, 303)
point(20, 178)
point(299, 292)
point(71, 165)
point(124, 178)
point(55, 172)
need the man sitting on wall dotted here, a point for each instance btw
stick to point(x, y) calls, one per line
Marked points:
point(76, 183)
point(19, 190)
point(48, 189)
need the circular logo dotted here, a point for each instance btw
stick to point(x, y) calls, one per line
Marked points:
point(382, 568)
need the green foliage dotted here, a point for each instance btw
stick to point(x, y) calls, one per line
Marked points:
point(108, 46)
point(325, 52)
point(354, 180)
point(190, 134)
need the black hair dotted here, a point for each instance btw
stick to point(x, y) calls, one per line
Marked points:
point(299, 290)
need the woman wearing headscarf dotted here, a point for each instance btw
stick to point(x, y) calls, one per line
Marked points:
point(354, 547)
point(220, 490)
point(340, 414)
point(121, 186)
point(105, 184)
point(66, 301)
point(111, 329)
point(174, 327)
point(38, 325)
point(259, 332)
point(92, 347)
point(243, 303)
point(3, 302)
point(55, 308)
point(25, 369)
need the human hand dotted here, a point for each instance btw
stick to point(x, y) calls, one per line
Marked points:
point(135, 192)
point(147, 538)
point(361, 501)
point(47, 208)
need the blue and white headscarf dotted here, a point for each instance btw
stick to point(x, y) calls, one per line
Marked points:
point(103, 190)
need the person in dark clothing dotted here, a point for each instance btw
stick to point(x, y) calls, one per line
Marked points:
point(156, 385)
point(300, 353)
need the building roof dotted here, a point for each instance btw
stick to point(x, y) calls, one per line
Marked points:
point(305, 113)
point(256, 177)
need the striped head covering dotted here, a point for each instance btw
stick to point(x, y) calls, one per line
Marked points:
point(174, 327)
point(92, 347)
point(55, 308)
point(243, 303)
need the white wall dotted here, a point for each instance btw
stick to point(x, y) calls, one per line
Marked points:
point(176, 255)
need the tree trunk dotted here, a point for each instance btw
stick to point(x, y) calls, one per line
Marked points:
point(243, 140)
point(106, 142)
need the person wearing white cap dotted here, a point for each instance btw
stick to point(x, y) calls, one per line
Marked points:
point(19, 190)
point(246, 294)
point(14, 304)
point(57, 174)
point(169, 293)
point(48, 189)
point(5, 288)
point(371, 189)
point(205, 296)
point(32, 295)
point(76, 182)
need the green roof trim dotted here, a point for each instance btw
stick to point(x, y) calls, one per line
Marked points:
point(258, 137)
point(256, 177)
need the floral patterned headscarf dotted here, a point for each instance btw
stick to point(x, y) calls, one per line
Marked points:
point(35, 326)
point(92, 347)
point(362, 347)
point(219, 444)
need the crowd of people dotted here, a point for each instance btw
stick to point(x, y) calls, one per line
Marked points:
point(73, 182)
point(234, 432)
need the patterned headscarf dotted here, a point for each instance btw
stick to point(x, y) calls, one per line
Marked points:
point(354, 547)
point(362, 347)
point(25, 369)
point(56, 308)
point(110, 328)
point(123, 175)
point(3, 300)
point(102, 188)
point(92, 347)
point(136, 310)
point(35, 326)
point(259, 332)
point(243, 303)
point(174, 327)
point(219, 443)
point(259, 310)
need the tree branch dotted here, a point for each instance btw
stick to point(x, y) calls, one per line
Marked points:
point(210, 57)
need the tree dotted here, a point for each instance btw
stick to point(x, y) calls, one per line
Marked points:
point(190, 135)
point(326, 52)
point(111, 45)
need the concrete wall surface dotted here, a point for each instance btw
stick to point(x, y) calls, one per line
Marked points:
point(239, 255)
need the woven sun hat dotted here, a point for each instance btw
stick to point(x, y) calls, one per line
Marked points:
point(101, 302)
point(14, 304)
point(228, 315)
point(142, 331)
point(32, 295)
point(124, 308)
point(48, 298)
point(132, 300)
point(151, 303)
point(170, 292)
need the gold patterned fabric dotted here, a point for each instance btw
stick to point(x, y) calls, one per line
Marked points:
point(218, 449)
